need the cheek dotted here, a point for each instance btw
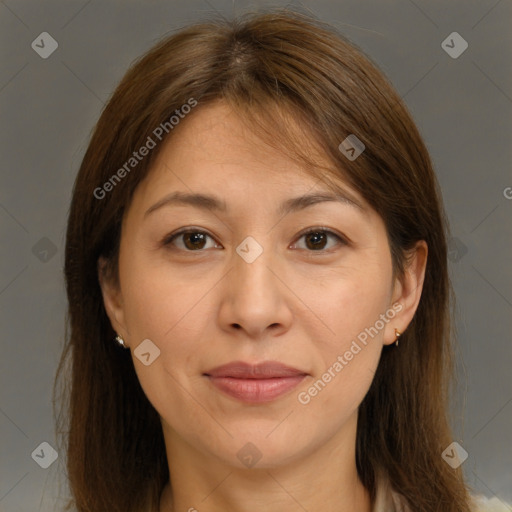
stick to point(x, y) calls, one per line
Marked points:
point(172, 314)
point(351, 305)
point(350, 349)
point(158, 302)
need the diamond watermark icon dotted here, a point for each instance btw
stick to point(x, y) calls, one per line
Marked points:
point(456, 249)
point(454, 455)
point(249, 455)
point(44, 45)
point(44, 250)
point(45, 455)
point(249, 249)
point(454, 45)
point(147, 352)
point(352, 147)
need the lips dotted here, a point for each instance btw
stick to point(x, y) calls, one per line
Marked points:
point(258, 383)
point(265, 370)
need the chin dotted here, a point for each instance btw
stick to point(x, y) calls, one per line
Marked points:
point(258, 450)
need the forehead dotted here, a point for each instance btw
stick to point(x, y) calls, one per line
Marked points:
point(215, 138)
point(214, 149)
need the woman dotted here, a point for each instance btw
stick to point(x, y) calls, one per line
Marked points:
point(256, 221)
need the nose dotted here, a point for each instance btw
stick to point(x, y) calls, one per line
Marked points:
point(255, 298)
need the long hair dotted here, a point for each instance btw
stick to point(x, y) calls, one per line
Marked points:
point(269, 68)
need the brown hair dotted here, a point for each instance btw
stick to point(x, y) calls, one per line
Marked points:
point(269, 68)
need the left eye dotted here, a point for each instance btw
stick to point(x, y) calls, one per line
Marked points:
point(317, 239)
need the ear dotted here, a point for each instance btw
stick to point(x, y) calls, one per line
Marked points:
point(112, 298)
point(407, 291)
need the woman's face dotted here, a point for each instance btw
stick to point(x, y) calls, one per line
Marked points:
point(263, 269)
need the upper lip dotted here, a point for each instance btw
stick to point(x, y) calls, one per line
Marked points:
point(264, 370)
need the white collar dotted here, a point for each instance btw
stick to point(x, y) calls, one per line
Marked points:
point(387, 500)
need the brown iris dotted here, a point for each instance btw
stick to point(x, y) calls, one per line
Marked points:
point(194, 240)
point(316, 240)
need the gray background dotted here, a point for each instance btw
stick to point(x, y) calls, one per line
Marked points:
point(48, 108)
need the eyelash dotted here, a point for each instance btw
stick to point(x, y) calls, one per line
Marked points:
point(168, 240)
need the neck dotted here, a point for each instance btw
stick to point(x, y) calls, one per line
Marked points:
point(325, 479)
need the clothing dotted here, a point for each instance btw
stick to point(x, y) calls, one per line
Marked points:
point(387, 500)
point(483, 504)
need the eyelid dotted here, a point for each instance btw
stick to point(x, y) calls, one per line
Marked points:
point(168, 239)
point(343, 239)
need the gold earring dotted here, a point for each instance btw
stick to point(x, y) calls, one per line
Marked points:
point(397, 334)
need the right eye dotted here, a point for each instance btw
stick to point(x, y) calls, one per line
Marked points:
point(189, 240)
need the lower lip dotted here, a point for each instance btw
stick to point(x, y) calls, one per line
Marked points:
point(256, 390)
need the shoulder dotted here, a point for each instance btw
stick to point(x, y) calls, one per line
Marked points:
point(479, 504)
point(388, 500)
point(482, 504)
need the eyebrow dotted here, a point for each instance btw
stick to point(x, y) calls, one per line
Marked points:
point(212, 203)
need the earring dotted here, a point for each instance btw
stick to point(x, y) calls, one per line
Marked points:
point(120, 341)
point(397, 334)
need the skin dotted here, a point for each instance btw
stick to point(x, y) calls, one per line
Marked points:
point(203, 307)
